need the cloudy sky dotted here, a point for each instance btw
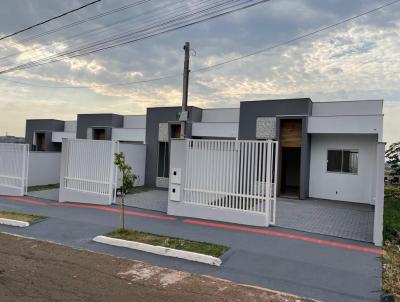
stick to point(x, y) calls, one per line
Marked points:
point(357, 60)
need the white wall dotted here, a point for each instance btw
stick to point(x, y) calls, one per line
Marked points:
point(230, 130)
point(347, 108)
point(135, 121)
point(70, 126)
point(223, 115)
point(129, 135)
point(57, 137)
point(44, 168)
point(354, 188)
point(135, 156)
point(351, 124)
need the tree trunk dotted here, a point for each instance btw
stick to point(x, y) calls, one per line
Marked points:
point(122, 210)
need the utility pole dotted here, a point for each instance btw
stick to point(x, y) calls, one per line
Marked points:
point(185, 90)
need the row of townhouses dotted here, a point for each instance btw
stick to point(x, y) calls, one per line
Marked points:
point(326, 150)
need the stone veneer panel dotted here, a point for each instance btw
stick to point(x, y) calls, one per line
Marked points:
point(266, 128)
point(163, 132)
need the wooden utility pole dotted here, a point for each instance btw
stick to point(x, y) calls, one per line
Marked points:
point(185, 90)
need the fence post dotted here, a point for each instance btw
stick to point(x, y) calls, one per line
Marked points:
point(268, 184)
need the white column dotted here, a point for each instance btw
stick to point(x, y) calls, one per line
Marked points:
point(379, 195)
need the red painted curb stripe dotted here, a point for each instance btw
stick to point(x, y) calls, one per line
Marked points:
point(113, 210)
point(41, 203)
point(285, 235)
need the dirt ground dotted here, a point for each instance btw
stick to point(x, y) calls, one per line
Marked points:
point(32, 270)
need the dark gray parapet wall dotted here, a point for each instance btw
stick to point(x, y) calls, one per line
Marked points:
point(46, 126)
point(106, 120)
point(154, 117)
point(281, 109)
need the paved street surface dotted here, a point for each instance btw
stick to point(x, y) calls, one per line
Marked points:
point(32, 270)
point(308, 265)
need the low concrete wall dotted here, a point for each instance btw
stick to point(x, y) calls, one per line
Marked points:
point(68, 195)
point(44, 168)
point(205, 212)
point(135, 156)
point(8, 191)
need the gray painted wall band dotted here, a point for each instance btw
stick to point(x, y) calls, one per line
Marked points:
point(97, 120)
point(282, 109)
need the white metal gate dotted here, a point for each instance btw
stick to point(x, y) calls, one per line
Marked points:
point(88, 173)
point(235, 175)
point(14, 159)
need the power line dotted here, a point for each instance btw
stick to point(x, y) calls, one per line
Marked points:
point(171, 76)
point(91, 31)
point(205, 14)
point(107, 13)
point(205, 69)
point(158, 18)
point(48, 20)
point(296, 38)
point(116, 38)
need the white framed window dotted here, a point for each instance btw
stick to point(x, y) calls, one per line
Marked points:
point(342, 161)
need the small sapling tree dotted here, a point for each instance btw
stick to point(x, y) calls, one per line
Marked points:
point(128, 182)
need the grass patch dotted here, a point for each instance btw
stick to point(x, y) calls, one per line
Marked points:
point(21, 216)
point(43, 187)
point(392, 192)
point(170, 242)
point(391, 220)
point(391, 268)
point(391, 235)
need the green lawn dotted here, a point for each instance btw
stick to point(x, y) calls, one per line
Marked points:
point(170, 242)
point(391, 234)
point(43, 187)
point(21, 216)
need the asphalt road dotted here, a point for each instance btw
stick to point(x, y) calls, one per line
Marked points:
point(307, 267)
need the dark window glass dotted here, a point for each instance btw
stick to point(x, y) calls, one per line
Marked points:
point(343, 161)
point(163, 159)
point(334, 161)
point(350, 162)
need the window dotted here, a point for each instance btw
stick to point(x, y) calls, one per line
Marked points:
point(99, 134)
point(163, 159)
point(41, 142)
point(342, 161)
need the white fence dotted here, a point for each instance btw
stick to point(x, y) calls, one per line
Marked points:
point(88, 173)
point(14, 169)
point(44, 168)
point(234, 175)
point(135, 156)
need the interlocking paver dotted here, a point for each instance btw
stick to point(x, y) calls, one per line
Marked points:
point(335, 218)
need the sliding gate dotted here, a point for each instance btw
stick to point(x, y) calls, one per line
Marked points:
point(237, 176)
point(14, 159)
point(88, 173)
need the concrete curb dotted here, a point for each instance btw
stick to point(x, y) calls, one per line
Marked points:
point(16, 223)
point(159, 250)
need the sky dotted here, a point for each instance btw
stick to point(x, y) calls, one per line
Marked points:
point(355, 61)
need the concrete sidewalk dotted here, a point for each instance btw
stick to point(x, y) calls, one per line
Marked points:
point(301, 267)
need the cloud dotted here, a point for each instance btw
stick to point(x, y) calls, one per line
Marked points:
point(359, 60)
